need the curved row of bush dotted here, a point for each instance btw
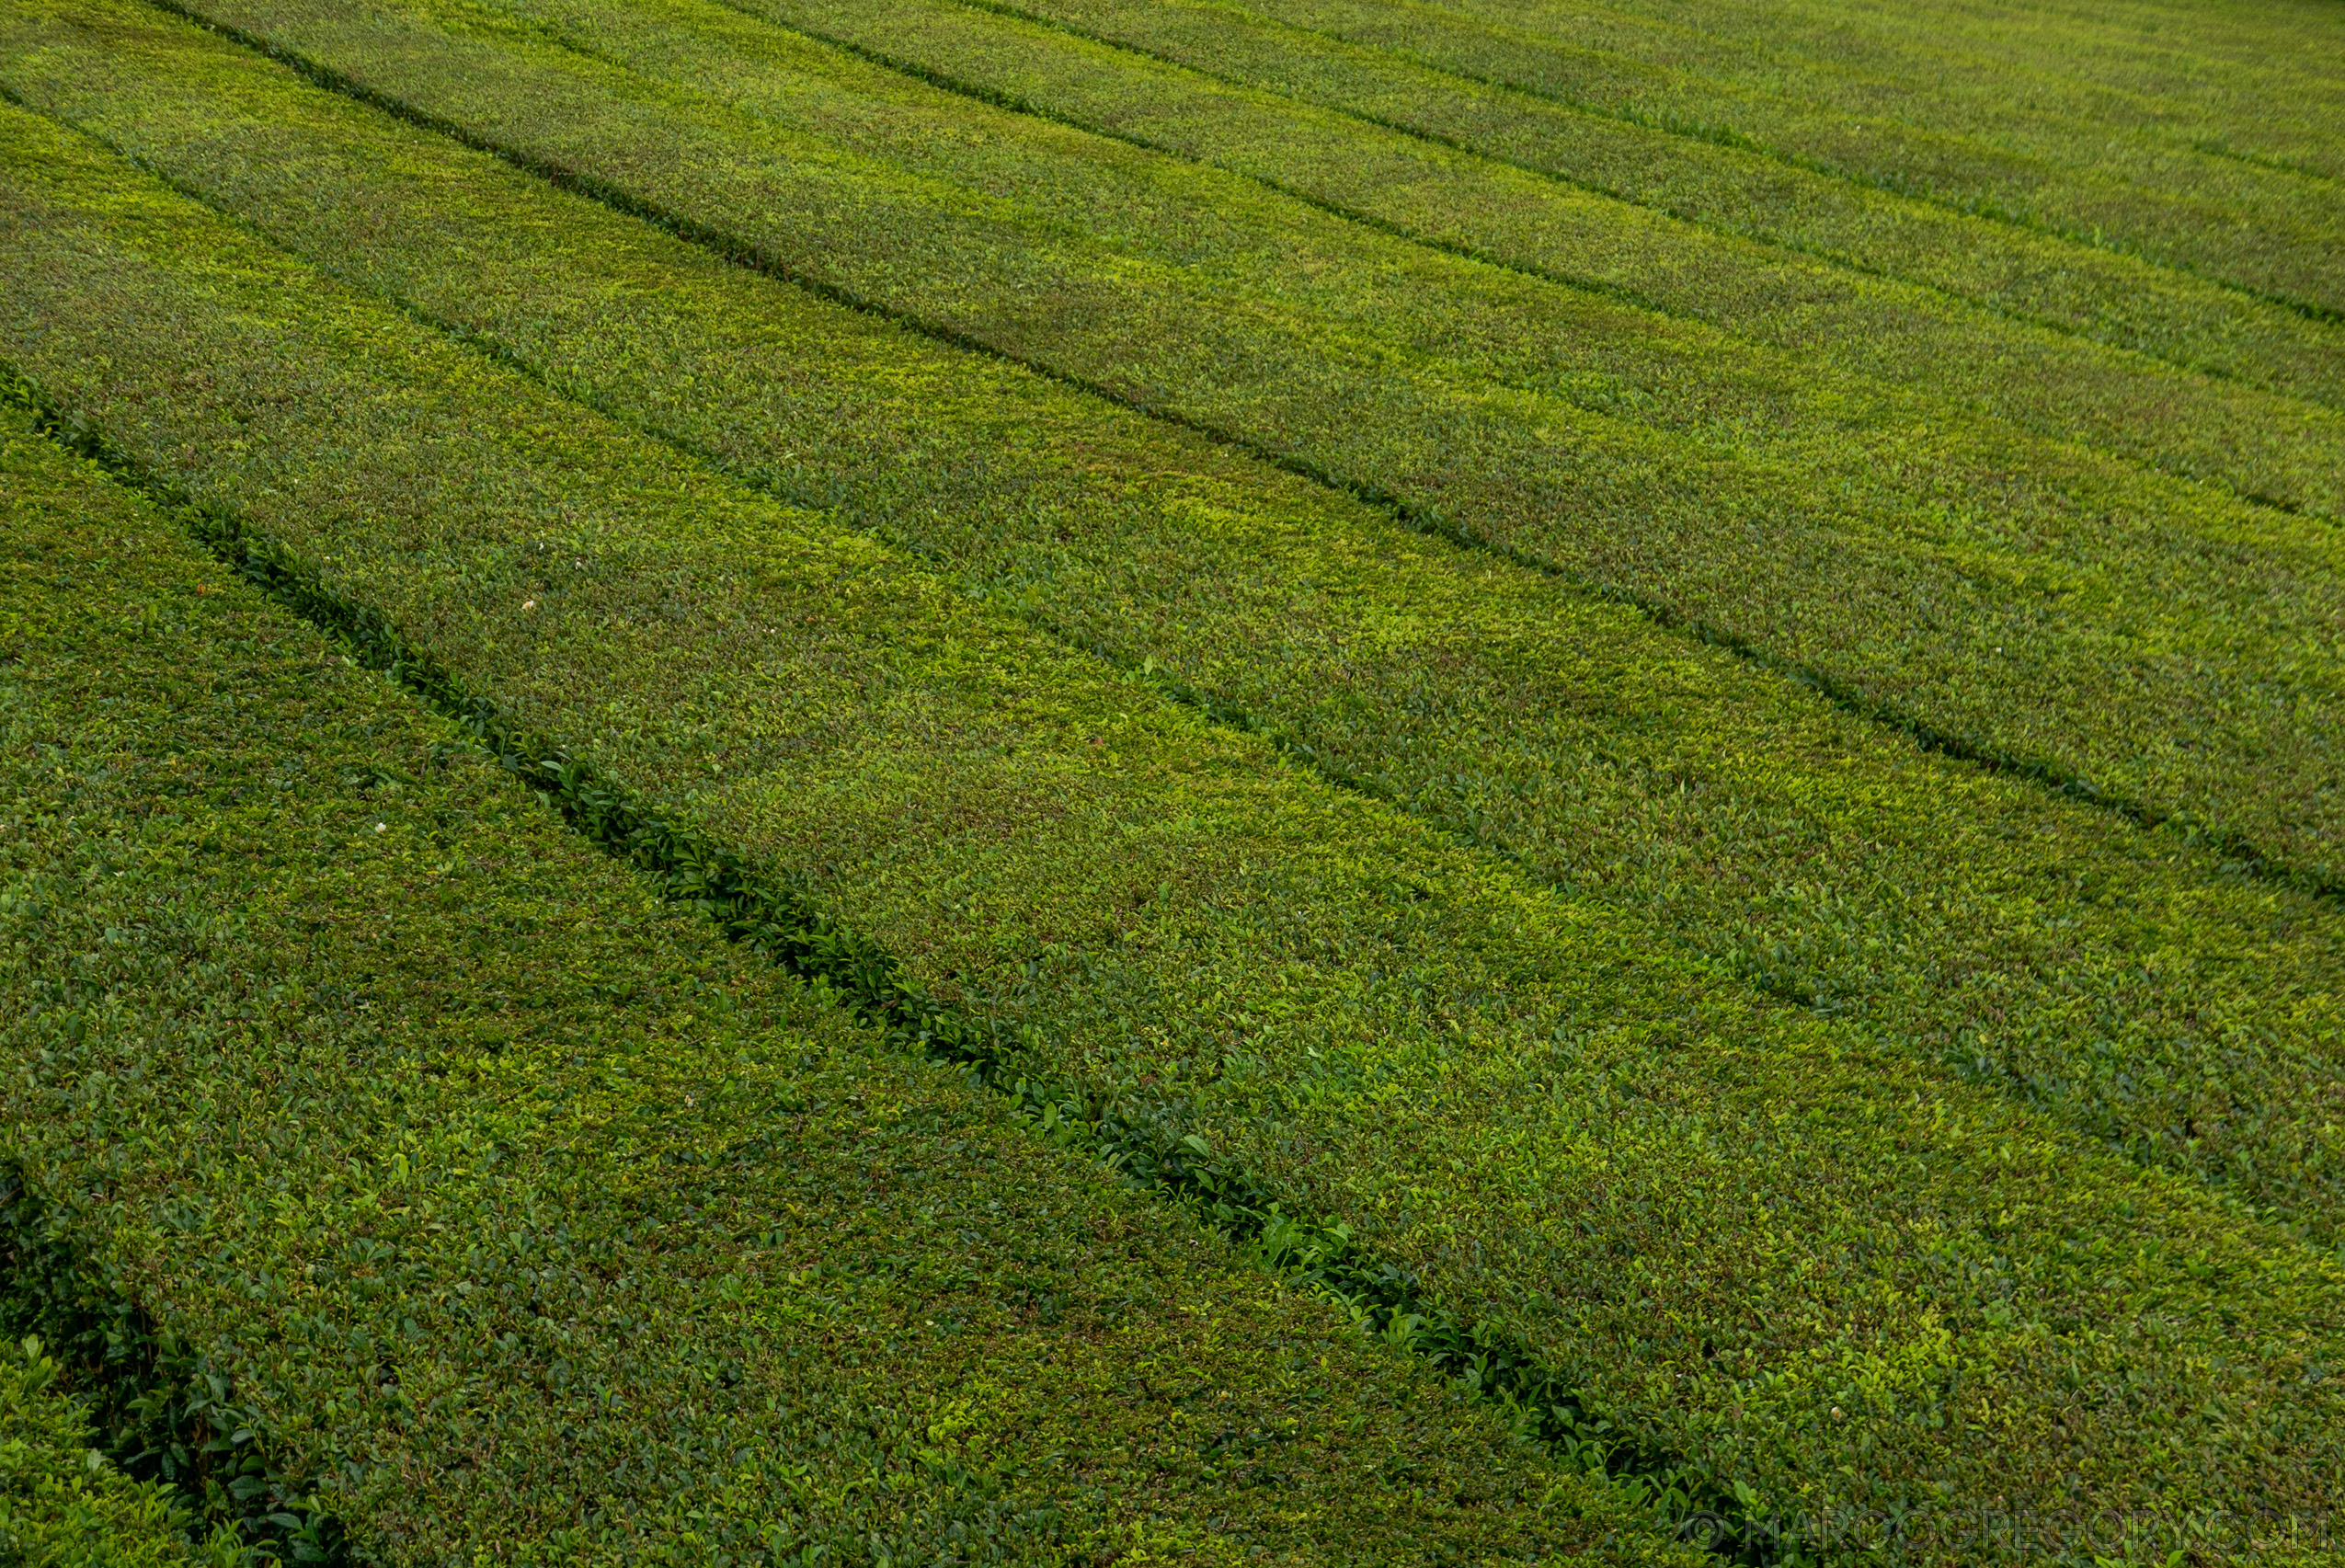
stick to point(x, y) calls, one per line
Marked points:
point(2085, 173)
point(2163, 643)
point(525, 1215)
point(1849, 1290)
point(2128, 981)
point(1852, 322)
point(2103, 294)
point(2228, 82)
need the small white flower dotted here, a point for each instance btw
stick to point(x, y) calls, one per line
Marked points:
point(528, 604)
point(378, 826)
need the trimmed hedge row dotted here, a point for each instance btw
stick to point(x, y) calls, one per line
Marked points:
point(526, 1216)
point(2121, 633)
point(2247, 83)
point(2128, 65)
point(1849, 1293)
point(2101, 294)
point(63, 1503)
point(2153, 998)
point(2255, 128)
point(2268, 231)
point(2053, 383)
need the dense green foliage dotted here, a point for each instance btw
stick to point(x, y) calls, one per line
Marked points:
point(63, 1503)
point(2273, 447)
point(1849, 1288)
point(2165, 644)
point(1067, 781)
point(1719, 184)
point(521, 1210)
point(2097, 167)
point(2154, 998)
point(2148, 74)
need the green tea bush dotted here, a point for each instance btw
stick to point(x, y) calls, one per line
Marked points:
point(63, 1503)
point(1862, 1299)
point(526, 1219)
point(2119, 633)
point(2105, 295)
point(167, 1442)
point(2242, 83)
point(2277, 449)
point(2078, 171)
point(2142, 990)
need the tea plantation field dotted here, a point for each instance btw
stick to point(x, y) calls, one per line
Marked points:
point(1080, 782)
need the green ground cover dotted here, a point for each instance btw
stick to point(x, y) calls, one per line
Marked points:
point(2082, 173)
point(1840, 1281)
point(2164, 76)
point(2126, 981)
point(63, 1503)
point(2055, 384)
point(2160, 642)
point(2097, 294)
point(521, 1209)
point(2237, 79)
point(2018, 89)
